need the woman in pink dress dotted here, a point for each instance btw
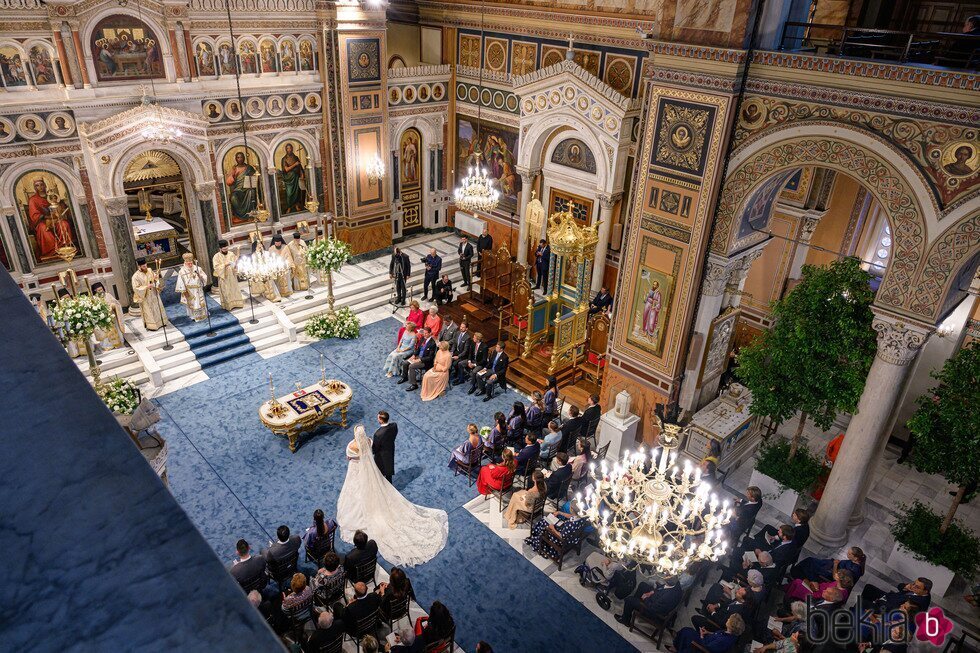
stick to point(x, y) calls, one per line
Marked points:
point(435, 380)
point(799, 589)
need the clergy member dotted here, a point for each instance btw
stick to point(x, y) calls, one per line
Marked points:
point(285, 282)
point(190, 285)
point(301, 275)
point(146, 292)
point(112, 337)
point(223, 264)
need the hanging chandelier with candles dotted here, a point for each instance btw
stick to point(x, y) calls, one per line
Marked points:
point(476, 191)
point(156, 126)
point(649, 511)
point(261, 266)
point(375, 170)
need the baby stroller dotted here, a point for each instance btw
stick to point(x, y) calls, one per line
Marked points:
point(621, 583)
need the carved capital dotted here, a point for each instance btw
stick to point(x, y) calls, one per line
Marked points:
point(607, 200)
point(898, 342)
point(204, 190)
point(117, 205)
point(715, 279)
point(7, 210)
point(807, 227)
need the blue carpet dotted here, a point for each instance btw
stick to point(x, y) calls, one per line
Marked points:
point(229, 341)
point(235, 479)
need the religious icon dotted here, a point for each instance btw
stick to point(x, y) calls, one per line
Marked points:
point(292, 182)
point(575, 153)
point(305, 55)
point(363, 60)
point(125, 48)
point(294, 104)
point(313, 102)
point(45, 206)
point(287, 57)
point(241, 183)
point(410, 157)
point(960, 159)
point(41, 65)
point(212, 111)
point(246, 53)
point(650, 308)
point(274, 105)
point(255, 107)
point(205, 59)
point(499, 147)
point(12, 67)
point(31, 127)
point(61, 124)
point(6, 130)
point(233, 110)
point(267, 50)
point(226, 59)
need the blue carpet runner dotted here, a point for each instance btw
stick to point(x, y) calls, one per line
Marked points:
point(229, 341)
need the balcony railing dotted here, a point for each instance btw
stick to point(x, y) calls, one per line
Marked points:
point(928, 48)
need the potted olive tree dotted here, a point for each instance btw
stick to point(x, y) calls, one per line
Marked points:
point(946, 428)
point(814, 361)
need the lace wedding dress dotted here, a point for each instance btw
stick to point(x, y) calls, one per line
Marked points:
point(407, 534)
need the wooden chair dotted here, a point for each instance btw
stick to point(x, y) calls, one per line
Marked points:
point(398, 611)
point(593, 366)
point(334, 646)
point(445, 645)
point(656, 624)
point(364, 572)
point(562, 493)
point(556, 548)
point(320, 547)
point(258, 582)
point(282, 570)
point(474, 463)
point(537, 510)
point(590, 432)
point(559, 410)
point(367, 625)
point(326, 601)
point(501, 492)
point(601, 452)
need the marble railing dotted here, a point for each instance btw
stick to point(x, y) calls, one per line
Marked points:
point(251, 5)
point(413, 72)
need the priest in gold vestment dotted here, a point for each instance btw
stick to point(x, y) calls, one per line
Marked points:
point(301, 273)
point(223, 265)
point(190, 286)
point(112, 337)
point(146, 292)
point(285, 282)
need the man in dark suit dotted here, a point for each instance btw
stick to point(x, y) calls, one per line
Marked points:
point(417, 365)
point(716, 614)
point(602, 301)
point(542, 261)
point(364, 550)
point(250, 571)
point(362, 605)
point(465, 251)
point(590, 418)
point(767, 535)
point(449, 329)
point(328, 629)
point(745, 512)
point(400, 269)
point(287, 546)
point(485, 242)
point(475, 359)
point(571, 429)
point(433, 265)
point(383, 446)
point(918, 592)
point(528, 455)
point(492, 375)
point(444, 290)
point(559, 477)
point(652, 601)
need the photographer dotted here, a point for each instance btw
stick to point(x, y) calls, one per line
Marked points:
point(433, 265)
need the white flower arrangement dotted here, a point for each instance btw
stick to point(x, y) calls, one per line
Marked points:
point(82, 315)
point(342, 324)
point(485, 432)
point(327, 254)
point(120, 395)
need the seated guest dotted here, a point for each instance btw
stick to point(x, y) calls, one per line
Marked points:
point(416, 365)
point(370, 644)
point(580, 463)
point(708, 469)
point(364, 550)
point(248, 570)
point(527, 457)
point(716, 614)
point(535, 414)
point(515, 424)
point(652, 600)
point(433, 322)
point(406, 642)
point(404, 349)
point(571, 428)
point(918, 592)
point(523, 500)
point(297, 603)
point(590, 418)
point(444, 290)
point(602, 302)
point(415, 314)
point(449, 329)
point(559, 478)
point(316, 539)
point(550, 400)
point(327, 631)
point(460, 346)
point(789, 644)
point(791, 623)
point(436, 626)
point(394, 591)
point(362, 604)
point(720, 641)
point(498, 434)
point(550, 442)
point(722, 593)
point(492, 375)
point(473, 359)
point(271, 610)
point(874, 627)
point(781, 548)
point(801, 590)
point(767, 536)
point(897, 642)
point(434, 381)
point(464, 453)
point(824, 568)
point(569, 529)
point(497, 477)
point(287, 546)
point(745, 512)
point(328, 582)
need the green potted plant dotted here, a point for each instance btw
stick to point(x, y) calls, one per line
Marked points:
point(782, 484)
point(946, 432)
point(815, 359)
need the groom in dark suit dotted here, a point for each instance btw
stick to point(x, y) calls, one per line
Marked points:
point(383, 446)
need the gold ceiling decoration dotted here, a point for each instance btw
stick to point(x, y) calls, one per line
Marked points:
point(152, 164)
point(568, 238)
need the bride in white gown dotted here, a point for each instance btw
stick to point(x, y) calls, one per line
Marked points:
point(407, 534)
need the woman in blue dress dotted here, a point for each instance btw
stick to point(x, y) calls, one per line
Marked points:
point(498, 434)
point(404, 349)
point(515, 425)
point(720, 641)
point(551, 400)
point(817, 569)
point(465, 452)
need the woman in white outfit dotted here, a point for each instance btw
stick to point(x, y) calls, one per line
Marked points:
point(407, 534)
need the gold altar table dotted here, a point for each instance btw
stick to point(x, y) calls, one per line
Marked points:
point(305, 410)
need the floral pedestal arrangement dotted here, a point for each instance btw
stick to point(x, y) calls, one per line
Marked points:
point(342, 323)
point(327, 255)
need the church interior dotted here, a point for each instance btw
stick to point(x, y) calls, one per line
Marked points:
point(672, 305)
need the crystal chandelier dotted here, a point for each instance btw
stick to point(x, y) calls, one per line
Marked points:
point(375, 170)
point(261, 266)
point(156, 127)
point(648, 511)
point(476, 191)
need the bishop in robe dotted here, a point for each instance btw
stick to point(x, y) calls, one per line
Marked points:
point(301, 274)
point(285, 282)
point(112, 337)
point(223, 263)
point(146, 293)
point(190, 285)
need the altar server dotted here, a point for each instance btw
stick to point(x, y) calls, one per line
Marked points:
point(112, 337)
point(301, 273)
point(223, 263)
point(146, 292)
point(190, 284)
point(285, 282)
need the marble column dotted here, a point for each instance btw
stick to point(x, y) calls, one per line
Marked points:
point(736, 280)
point(80, 53)
point(122, 254)
point(712, 294)
point(898, 345)
point(808, 225)
point(63, 65)
point(606, 205)
point(527, 181)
